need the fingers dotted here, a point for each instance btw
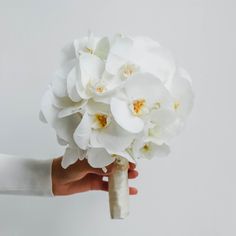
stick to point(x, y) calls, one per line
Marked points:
point(82, 168)
point(133, 191)
point(99, 185)
point(99, 171)
point(92, 182)
point(132, 166)
point(132, 174)
point(89, 182)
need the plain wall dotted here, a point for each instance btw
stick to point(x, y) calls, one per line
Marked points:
point(191, 192)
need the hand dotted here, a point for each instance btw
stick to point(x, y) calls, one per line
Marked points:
point(81, 177)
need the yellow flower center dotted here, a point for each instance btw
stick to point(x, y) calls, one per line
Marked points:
point(102, 120)
point(157, 105)
point(176, 105)
point(138, 105)
point(100, 89)
point(128, 70)
point(146, 148)
point(89, 50)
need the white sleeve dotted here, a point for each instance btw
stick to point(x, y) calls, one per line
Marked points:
point(22, 176)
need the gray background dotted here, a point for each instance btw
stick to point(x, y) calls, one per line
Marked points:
point(192, 192)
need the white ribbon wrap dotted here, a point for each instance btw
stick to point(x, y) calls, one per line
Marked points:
point(119, 189)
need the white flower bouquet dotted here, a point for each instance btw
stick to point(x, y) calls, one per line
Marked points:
point(116, 100)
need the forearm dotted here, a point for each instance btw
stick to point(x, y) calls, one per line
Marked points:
point(22, 176)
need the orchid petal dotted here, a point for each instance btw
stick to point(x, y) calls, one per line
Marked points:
point(67, 111)
point(91, 67)
point(181, 89)
point(71, 85)
point(163, 117)
point(113, 138)
point(148, 87)
point(62, 102)
point(82, 132)
point(157, 61)
point(156, 151)
point(99, 157)
point(68, 53)
point(61, 141)
point(149, 150)
point(119, 54)
point(59, 81)
point(42, 117)
point(125, 155)
point(70, 157)
point(102, 48)
point(114, 63)
point(97, 107)
point(121, 47)
point(48, 111)
point(124, 117)
point(65, 127)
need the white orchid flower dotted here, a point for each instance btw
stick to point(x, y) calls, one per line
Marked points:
point(66, 106)
point(91, 80)
point(98, 129)
point(128, 56)
point(148, 150)
point(100, 157)
point(89, 44)
point(181, 89)
point(50, 113)
point(153, 140)
point(64, 83)
point(119, 61)
point(86, 44)
point(83, 78)
point(59, 81)
point(163, 124)
point(152, 58)
point(141, 94)
point(92, 45)
point(64, 127)
point(167, 123)
point(72, 155)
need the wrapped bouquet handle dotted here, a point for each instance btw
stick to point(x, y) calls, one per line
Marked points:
point(119, 189)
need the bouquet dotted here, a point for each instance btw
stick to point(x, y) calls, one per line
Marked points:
point(117, 100)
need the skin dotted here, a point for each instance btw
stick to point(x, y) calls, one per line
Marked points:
point(81, 177)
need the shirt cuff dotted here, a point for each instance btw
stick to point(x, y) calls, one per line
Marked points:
point(22, 176)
